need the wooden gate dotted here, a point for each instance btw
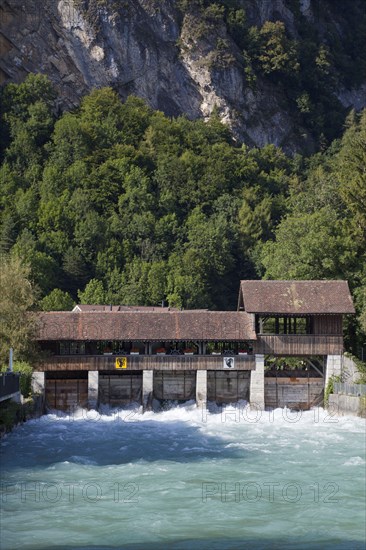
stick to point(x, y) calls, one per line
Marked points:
point(228, 386)
point(175, 385)
point(120, 388)
point(66, 390)
point(300, 393)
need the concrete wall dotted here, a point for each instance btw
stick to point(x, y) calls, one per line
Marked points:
point(38, 382)
point(347, 405)
point(201, 388)
point(147, 389)
point(93, 388)
point(257, 383)
point(350, 372)
point(333, 367)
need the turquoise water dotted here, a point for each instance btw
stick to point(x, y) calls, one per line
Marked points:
point(185, 478)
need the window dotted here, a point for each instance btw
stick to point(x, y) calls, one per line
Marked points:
point(284, 325)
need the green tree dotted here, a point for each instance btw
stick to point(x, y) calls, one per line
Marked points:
point(277, 53)
point(57, 300)
point(93, 293)
point(352, 173)
point(308, 246)
point(17, 299)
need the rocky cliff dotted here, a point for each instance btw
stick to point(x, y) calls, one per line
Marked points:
point(190, 58)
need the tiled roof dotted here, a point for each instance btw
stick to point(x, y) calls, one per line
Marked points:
point(150, 325)
point(296, 297)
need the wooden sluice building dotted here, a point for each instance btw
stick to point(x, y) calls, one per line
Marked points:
point(115, 355)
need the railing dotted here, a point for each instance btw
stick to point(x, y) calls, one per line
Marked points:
point(144, 362)
point(349, 389)
point(9, 384)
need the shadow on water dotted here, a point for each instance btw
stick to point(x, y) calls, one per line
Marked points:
point(112, 443)
point(290, 543)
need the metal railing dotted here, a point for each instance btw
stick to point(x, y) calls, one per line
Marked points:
point(349, 389)
point(9, 384)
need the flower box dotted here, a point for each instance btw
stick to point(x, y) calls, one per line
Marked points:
point(135, 351)
point(161, 351)
point(216, 353)
point(188, 351)
point(242, 352)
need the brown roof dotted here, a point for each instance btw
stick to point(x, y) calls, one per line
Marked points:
point(296, 297)
point(150, 325)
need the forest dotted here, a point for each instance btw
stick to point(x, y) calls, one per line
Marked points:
point(117, 203)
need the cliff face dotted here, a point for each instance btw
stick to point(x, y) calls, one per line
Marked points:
point(182, 60)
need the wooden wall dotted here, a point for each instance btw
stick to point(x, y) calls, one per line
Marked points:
point(327, 324)
point(310, 345)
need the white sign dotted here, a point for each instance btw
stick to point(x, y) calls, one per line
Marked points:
point(229, 363)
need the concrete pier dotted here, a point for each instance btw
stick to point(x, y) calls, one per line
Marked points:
point(334, 367)
point(39, 382)
point(201, 388)
point(256, 396)
point(93, 386)
point(147, 389)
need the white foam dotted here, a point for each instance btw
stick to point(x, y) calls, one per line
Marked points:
point(354, 461)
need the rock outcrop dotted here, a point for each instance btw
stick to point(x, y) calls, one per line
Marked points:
point(159, 52)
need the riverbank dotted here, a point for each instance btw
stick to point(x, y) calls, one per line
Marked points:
point(13, 414)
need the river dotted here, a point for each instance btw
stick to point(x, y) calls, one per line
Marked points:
point(184, 478)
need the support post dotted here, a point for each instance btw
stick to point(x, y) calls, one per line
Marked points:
point(93, 387)
point(201, 388)
point(257, 383)
point(334, 367)
point(10, 360)
point(147, 389)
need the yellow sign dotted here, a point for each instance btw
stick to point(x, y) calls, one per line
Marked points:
point(121, 362)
